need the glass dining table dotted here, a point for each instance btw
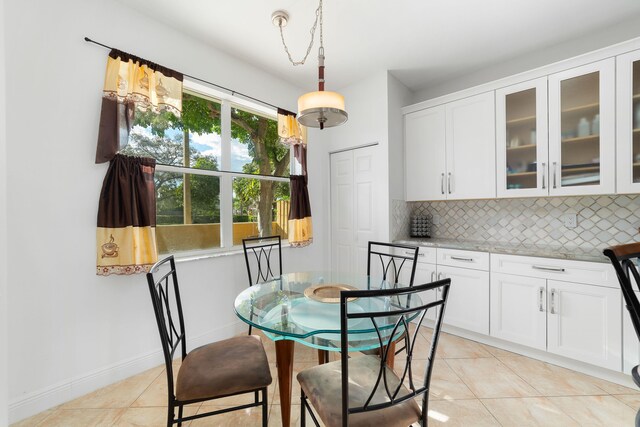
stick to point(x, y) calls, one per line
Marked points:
point(304, 307)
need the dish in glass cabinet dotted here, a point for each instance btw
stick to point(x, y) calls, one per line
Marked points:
point(328, 293)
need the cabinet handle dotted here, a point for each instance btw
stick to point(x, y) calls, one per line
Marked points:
point(555, 164)
point(433, 275)
point(553, 301)
point(410, 253)
point(449, 182)
point(542, 267)
point(544, 175)
point(457, 258)
point(440, 276)
point(541, 292)
point(442, 182)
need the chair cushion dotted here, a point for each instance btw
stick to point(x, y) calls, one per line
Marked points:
point(222, 368)
point(322, 385)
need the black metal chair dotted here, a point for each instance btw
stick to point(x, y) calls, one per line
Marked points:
point(392, 258)
point(622, 257)
point(260, 251)
point(364, 391)
point(225, 368)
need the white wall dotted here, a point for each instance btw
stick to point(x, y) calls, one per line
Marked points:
point(590, 41)
point(4, 344)
point(70, 330)
point(398, 96)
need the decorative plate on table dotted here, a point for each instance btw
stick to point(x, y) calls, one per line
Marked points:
point(329, 292)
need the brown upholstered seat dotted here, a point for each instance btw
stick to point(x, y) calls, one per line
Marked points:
point(322, 385)
point(222, 368)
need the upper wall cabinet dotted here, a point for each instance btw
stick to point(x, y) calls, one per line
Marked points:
point(628, 123)
point(450, 150)
point(582, 130)
point(521, 140)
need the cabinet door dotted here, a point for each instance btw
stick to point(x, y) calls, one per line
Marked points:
point(424, 133)
point(584, 323)
point(582, 130)
point(468, 302)
point(628, 122)
point(471, 148)
point(518, 309)
point(426, 273)
point(521, 139)
point(631, 346)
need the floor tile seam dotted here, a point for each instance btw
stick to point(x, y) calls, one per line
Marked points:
point(625, 403)
point(147, 388)
point(461, 379)
point(534, 397)
point(490, 413)
point(567, 369)
point(520, 376)
point(47, 417)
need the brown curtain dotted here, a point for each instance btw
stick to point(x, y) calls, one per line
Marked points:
point(300, 225)
point(126, 233)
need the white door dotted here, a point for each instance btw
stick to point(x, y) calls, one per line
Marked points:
point(468, 302)
point(628, 122)
point(424, 136)
point(631, 350)
point(518, 309)
point(353, 213)
point(584, 323)
point(471, 148)
point(582, 130)
point(521, 139)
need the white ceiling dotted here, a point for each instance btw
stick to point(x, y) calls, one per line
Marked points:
point(423, 42)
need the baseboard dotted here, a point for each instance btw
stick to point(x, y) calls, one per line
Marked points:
point(37, 401)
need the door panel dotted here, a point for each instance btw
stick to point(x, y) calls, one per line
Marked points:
point(342, 232)
point(468, 302)
point(584, 323)
point(518, 309)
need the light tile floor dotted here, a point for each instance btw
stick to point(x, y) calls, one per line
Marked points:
point(472, 385)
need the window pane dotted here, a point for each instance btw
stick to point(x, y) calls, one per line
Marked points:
point(260, 208)
point(193, 140)
point(254, 145)
point(188, 212)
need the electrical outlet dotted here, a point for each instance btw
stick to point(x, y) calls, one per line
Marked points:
point(435, 219)
point(570, 220)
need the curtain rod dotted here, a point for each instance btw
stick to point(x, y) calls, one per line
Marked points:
point(233, 92)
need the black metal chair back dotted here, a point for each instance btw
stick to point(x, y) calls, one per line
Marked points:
point(624, 259)
point(392, 258)
point(403, 311)
point(165, 295)
point(261, 251)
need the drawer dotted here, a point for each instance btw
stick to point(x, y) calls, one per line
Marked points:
point(464, 259)
point(425, 254)
point(593, 273)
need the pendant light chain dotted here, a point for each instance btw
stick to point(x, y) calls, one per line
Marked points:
point(312, 32)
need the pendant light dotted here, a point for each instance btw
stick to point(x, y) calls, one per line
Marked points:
point(319, 109)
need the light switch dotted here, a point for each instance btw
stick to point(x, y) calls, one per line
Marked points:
point(571, 220)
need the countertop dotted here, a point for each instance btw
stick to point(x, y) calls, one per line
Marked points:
point(577, 254)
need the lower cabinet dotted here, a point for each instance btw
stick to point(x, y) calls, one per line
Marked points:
point(584, 323)
point(631, 347)
point(518, 309)
point(468, 302)
point(426, 273)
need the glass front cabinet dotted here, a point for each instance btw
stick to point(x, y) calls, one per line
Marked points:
point(628, 123)
point(522, 148)
point(582, 130)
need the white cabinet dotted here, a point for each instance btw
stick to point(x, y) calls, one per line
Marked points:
point(468, 301)
point(584, 323)
point(522, 140)
point(518, 309)
point(628, 123)
point(582, 129)
point(471, 155)
point(426, 273)
point(631, 345)
point(450, 150)
point(425, 154)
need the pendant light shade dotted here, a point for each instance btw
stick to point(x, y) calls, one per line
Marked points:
point(321, 109)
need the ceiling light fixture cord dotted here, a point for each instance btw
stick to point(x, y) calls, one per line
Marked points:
point(312, 32)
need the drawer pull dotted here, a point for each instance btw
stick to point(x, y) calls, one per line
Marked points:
point(457, 258)
point(411, 253)
point(542, 267)
point(433, 275)
point(541, 292)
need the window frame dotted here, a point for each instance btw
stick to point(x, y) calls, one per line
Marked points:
point(226, 176)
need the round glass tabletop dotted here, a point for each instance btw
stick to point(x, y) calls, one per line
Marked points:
point(283, 310)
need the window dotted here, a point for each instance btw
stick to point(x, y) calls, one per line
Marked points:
point(221, 174)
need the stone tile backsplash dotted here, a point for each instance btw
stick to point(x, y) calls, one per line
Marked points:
point(602, 220)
